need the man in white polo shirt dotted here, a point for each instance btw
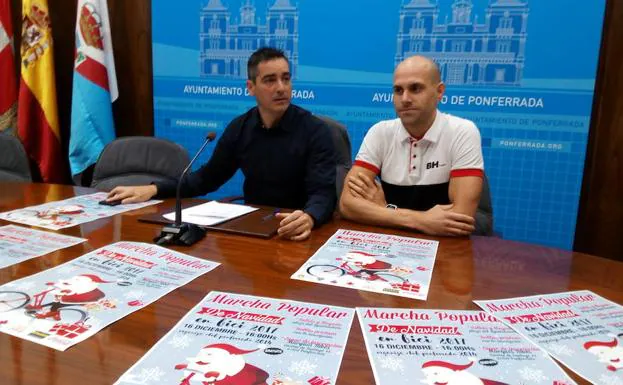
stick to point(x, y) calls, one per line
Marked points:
point(430, 164)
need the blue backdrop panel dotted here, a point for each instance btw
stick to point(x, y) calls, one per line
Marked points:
point(522, 70)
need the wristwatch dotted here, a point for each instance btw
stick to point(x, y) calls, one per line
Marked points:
point(391, 206)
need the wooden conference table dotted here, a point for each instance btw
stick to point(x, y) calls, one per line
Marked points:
point(466, 269)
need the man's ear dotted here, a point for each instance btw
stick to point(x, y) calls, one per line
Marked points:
point(251, 87)
point(441, 89)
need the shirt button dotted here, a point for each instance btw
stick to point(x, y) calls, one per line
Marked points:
point(415, 156)
point(414, 167)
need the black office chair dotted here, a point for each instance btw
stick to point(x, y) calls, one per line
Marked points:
point(341, 142)
point(484, 213)
point(138, 160)
point(14, 165)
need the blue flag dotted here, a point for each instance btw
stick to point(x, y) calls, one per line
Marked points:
point(94, 86)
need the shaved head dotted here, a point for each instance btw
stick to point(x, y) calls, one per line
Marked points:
point(417, 91)
point(420, 64)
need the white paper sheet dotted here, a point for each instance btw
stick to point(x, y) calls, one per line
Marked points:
point(211, 213)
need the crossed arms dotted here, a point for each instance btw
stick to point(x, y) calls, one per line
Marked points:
point(363, 200)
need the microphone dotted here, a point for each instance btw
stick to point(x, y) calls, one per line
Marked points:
point(180, 233)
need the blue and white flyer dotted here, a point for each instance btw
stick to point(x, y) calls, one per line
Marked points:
point(381, 263)
point(70, 212)
point(239, 339)
point(580, 329)
point(433, 347)
point(19, 244)
point(67, 304)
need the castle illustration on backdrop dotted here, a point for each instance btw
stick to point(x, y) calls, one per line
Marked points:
point(471, 49)
point(227, 40)
point(468, 51)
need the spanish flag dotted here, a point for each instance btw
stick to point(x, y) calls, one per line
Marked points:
point(37, 116)
point(8, 89)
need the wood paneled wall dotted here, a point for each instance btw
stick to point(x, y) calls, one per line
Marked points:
point(600, 220)
point(131, 22)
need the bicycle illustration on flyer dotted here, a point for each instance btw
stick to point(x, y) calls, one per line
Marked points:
point(70, 212)
point(373, 262)
point(65, 305)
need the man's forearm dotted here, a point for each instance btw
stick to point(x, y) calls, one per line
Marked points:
point(364, 211)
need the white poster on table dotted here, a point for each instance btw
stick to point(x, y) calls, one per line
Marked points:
point(381, 263)
point(229, 339)
point(580, 329)
point(70, 212)
point(19, 244)
point(433, 347)
point(65, 305)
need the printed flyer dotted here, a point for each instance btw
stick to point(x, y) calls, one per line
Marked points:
point(380, 263)
point(18, 244)
point(433, 347)
point(67, 304)
point(245, 340)
point(69, 212)
point(580, 329)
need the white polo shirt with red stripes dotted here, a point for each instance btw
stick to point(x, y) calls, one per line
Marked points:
point(415, 172)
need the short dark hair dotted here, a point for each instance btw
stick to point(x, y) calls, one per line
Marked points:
point(261, 55)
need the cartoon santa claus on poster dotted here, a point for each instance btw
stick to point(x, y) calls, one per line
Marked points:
point(447, 373)
point(366, 261)
point(77, 290)
point(608, 352)
point(59, 216)
point(221, 364)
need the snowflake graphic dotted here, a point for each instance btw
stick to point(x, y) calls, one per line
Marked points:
point(135, 294)
point(144, 377)
point(392, 363)
point(302, 367)
point(531, 374)
point(560, 349)
point(610, 379)
point(180, 341)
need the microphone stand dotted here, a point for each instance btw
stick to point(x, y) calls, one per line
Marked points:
point(180, 233)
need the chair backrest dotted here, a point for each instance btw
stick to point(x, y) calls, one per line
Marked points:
point(14, 165)
point(484, 213)
point(138, 160)
point(341, 142)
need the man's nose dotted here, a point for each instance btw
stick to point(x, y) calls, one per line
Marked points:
point(281, 85)
point(406, 98)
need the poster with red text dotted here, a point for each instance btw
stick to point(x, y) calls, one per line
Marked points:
point(67, 304)
point(234, 339)
point(433, 347)
point(381, 263)
point(18, 244)
point(579, 328)
point(70, 212)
